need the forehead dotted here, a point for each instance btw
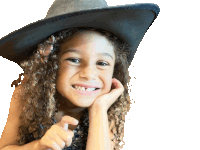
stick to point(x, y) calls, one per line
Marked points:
point(88, 41)
point(86, 37)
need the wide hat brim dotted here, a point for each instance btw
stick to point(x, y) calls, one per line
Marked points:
point(128, 22)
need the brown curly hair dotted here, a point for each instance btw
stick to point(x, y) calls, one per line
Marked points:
point(39, 100)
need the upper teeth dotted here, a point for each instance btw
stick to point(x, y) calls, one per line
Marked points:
point(83, 88)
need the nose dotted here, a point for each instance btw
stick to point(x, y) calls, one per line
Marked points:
point(89, 72)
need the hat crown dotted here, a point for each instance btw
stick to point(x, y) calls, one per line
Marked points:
point(60, 7)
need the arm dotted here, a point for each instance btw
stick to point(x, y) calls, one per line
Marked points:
point(29, 146)
point(98, 133)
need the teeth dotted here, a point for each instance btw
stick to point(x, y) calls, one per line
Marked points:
point(83, 88)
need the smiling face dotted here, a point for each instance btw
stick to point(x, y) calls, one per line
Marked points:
point(87, 58)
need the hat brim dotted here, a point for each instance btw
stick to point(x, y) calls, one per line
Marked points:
point(128, 22)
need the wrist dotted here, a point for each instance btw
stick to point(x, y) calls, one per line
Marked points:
point(95, 110)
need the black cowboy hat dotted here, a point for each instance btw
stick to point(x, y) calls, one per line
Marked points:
point(128, 22)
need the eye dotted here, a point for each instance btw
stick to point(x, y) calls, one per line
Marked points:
point(105, 64)
point(74, 60)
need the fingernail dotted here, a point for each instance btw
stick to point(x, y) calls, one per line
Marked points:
point(66, 126)
point(76, 122)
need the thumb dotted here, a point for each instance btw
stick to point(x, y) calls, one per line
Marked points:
point(66, 126)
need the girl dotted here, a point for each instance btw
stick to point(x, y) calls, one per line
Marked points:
point(56, 74)
point(74, 93)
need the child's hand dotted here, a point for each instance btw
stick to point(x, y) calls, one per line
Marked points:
point(58, 136)
point(106, 100)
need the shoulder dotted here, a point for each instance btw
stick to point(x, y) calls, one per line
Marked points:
point(13, 120)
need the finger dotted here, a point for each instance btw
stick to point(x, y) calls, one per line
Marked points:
point(55, 146)
point(65, 126)
point(69, 142)
point(48, 143)
point(117, 84)
point(58, 141)
point(67, 120)
point(64, 135)
point(67, 138)
point(114, 93)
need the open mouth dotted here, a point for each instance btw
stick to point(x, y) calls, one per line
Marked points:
point(85, 88)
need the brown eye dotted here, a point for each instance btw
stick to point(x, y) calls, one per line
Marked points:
point(105, 64)
point(74, 60)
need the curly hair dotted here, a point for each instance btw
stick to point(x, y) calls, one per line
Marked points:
point(39, 100)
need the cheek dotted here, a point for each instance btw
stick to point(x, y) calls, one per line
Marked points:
point(62, 81)
point(59, 85)
point(108, 79)
point(108, 84)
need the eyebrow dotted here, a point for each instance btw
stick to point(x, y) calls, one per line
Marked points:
point(78, 52)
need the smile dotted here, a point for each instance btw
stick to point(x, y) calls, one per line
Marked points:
point(88, 91)
point(84, 88)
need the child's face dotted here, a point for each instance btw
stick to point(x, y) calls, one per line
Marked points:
point(88, 67)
